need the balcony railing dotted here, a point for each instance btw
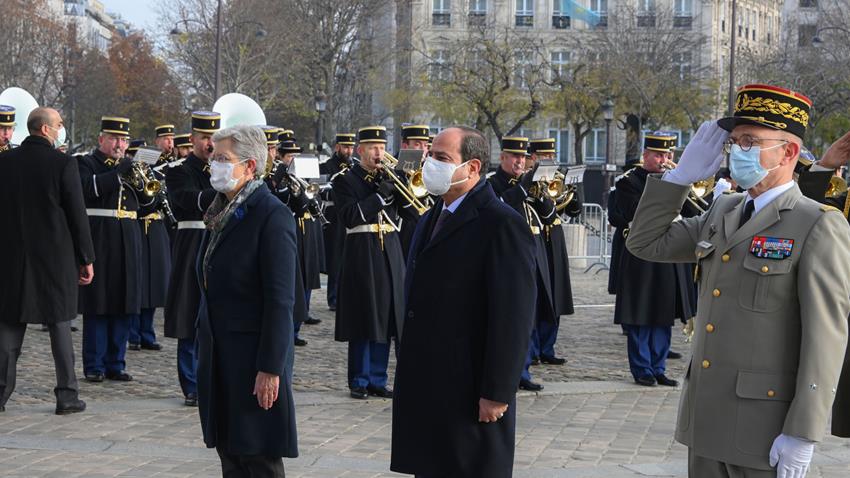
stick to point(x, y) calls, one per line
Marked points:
point(439, 19)
point(560, 22)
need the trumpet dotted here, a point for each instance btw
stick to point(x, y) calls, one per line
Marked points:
point(837, 187)
point(412, 193)
point(141, 178)
point(699, 191)
point(298, 186)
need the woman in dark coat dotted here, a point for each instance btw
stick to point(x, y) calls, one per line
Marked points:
point(246, 269)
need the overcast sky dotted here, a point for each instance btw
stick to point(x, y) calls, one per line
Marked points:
point(141, 13)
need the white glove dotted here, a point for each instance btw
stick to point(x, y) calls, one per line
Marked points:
point(721, 186)
point(702, 157)
point(791, 456)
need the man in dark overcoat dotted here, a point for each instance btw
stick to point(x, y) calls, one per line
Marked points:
point(650, 296)
point(53, 253)
point(190, 194)
point(115, 294)
point(471, 294)
point(334, 235)
point(370, 295)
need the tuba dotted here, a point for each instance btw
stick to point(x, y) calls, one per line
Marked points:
point(237, 109)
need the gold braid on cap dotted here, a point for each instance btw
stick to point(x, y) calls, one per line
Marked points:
point(746, 103)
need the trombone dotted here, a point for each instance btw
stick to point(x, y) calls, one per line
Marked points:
point(412, 193)
point(699, 190)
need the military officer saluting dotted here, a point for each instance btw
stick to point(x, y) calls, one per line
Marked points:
point(114, 295)
point(7, 127)
point(190, 194)
point(513, 182)
point(370, 295)
point(334, 235)
point(556, 253)
point(413, 136)
point(771, 326)
point(182, 146)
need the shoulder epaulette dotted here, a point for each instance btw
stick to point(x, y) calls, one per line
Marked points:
point(827, 208)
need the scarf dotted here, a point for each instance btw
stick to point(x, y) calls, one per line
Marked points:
point(219, 214)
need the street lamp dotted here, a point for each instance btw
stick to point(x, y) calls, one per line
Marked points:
point(608, 115)
point(321, 106)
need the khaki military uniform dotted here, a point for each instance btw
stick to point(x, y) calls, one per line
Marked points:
point(770, 332)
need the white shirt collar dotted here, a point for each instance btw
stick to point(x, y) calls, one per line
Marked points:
point(455, 204)
point(768, 196)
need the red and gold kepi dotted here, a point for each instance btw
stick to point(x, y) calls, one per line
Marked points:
point(206, 121)
point(415, 131)
point(772, 107)
point(543, 145)
point(346, 139)
point(659, 141)
point(115, 125)
point(372, 134)
point(515, 144)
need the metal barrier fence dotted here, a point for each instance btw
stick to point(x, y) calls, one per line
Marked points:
point(588, 238)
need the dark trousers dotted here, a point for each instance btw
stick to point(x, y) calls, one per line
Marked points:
point(547, 335)
point(62, 347)
point(104, 343)
point(532, 353)
point(141, 328)
point(250, 466)
point(187, 366)
point(367, 363)
point(331, 287)
point(648, 346)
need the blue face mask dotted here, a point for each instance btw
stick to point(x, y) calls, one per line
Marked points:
point(745, 167)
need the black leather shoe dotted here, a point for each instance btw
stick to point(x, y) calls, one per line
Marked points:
point(332, 308)
point(667, 382)
point(2, 408)
point(673, 355)
point(382, 392)
point(312, 321)
point(359, 393)
point(300, 342)
point(530, 386)
point(645, 381)
point(535, 361)
point(552, 360)
point(95, 377)
point(76, 406)
point(74, 328)
point(120, 377)
point(191, 400)
point(153, 346)
point(134, 347)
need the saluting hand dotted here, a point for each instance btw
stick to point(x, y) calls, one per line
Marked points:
point(266, 387)
point(702, 156)
point(490, 411)
point(86, 274)
point(838, 154)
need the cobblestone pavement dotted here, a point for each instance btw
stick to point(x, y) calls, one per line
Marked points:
point(589, 422)
point(593, 345)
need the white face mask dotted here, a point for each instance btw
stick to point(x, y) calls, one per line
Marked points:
point(437, 176)
point(221, 176)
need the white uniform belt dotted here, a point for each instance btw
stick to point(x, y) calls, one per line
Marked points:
point(328, 203)
point(116, 213)
point(191, 225)
point(370, 228)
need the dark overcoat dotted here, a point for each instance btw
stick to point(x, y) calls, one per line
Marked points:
point(244, 327)
point(559, 260)
point(156, 261)
point(649, 293)
point(45, 234)
point(370, 297)
point(117, 284)
point(513, 195)
point(471, 293)
point(297, 206)
point(190, 194)
point(618, 240)
point(333, 234)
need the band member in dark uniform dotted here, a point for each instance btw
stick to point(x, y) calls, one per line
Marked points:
point(7, 127)
point(134, 145)
point(371, 280)
point(182, 146)
point(190, 194)
point(164, 141)
point(114, 296)
point(412, 137)
point(512, 182)
point(650, 295)
point(556, 253)
point(338, 163)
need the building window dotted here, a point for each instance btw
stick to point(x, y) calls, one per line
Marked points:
point(683, 15)
point(439, 66)
point(477, 12)
point(682, 64)
point(559, 60)
point(600, 7)
point(646, 13)
point(805, 34)
point(522, 70)
point(808, 3)
point(562, 145)
point(594, 146)
point(769, 26)
point(525, 13)
point(441, 14)
point(436, 125)
point(560, 17)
